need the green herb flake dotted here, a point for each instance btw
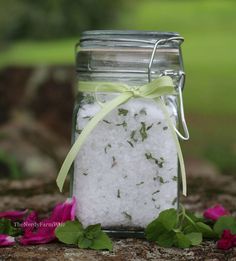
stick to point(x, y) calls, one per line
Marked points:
point(143, 111)
point(132, 136)
point(123, 124)
point(108, 122)
point(149, 127)
point(165, 128)
point(118, 193)
point(130, 143)
point(159, 122)
point(108, 146)
point(87, 117)
point(142, 131)
point(85, 174)
point(159, 162)
point(174, 178)
point(122, 111)
point(141, 183)
point(78, 131)
point(155, 192)
point(114, 163)
point(128, 216)
point(174, 201)
point(88, 99)
point(161, 180)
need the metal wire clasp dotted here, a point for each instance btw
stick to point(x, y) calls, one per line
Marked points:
point(180, 86)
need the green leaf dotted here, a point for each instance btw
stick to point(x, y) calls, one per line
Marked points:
point(225, 222)
point(93, 231)
point(69, 232)
point(166, 239)
point(206, 230)
point(154, 229)
point(168, 218)
point(102, 242)
point(85, 242)
point(182, 241)
point(194, 217)
point(195, 238)
point(7, 228)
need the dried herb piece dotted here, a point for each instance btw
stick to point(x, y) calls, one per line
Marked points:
point(113, 162)
point(78, 131)
point(132, 136)
point(108, 122)
point(130, 143)
point(161, 180)
point(127, 215)
point(143, 111)
point(124, 124)
point(118, 193)
point(165, 128)
point(174, 201)
point(107, 147)
point(88, 99)
point(87, 117)
point(85, 174)
point(159, 162)
point(155, 192)
point(141, 183)
point(122, 111)
point(174, 178)
point(142, 131)
point(149, 127)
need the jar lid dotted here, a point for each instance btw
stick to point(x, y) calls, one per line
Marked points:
point(124, 38)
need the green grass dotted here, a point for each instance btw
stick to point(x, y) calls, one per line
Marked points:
point(38, 53)
point(209, 28)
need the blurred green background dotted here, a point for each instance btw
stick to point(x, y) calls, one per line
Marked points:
point(43, 33)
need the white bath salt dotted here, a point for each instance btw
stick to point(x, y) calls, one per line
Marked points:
point(126, 172)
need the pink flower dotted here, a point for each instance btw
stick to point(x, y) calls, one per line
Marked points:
point(6, 240)
point(44, 231)
point(216, 212)
point(30, 222)
point(13, 215)
point(227, 240)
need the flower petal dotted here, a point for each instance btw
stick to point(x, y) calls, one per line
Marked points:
point(226, 241)
point(36, 239)
point(215, 212)
point(13, 215)
point(45, 232)
point(6, 240)
point(30, 223)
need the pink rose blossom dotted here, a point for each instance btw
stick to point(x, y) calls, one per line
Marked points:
point(227, 240)
point(215, 213)
point(44, 231)
point(6, 240)
point(13, 215)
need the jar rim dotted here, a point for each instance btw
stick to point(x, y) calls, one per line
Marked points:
point(123, 38)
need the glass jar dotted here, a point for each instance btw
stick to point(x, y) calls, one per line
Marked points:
point(126, 172)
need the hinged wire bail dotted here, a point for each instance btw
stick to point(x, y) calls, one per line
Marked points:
point(181, 108)
point(181, 74)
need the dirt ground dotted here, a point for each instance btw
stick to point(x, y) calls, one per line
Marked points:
point(41, 195)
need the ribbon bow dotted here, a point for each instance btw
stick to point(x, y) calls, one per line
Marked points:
point(153, 90)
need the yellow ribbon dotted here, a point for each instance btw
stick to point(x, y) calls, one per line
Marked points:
point(153, 90)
